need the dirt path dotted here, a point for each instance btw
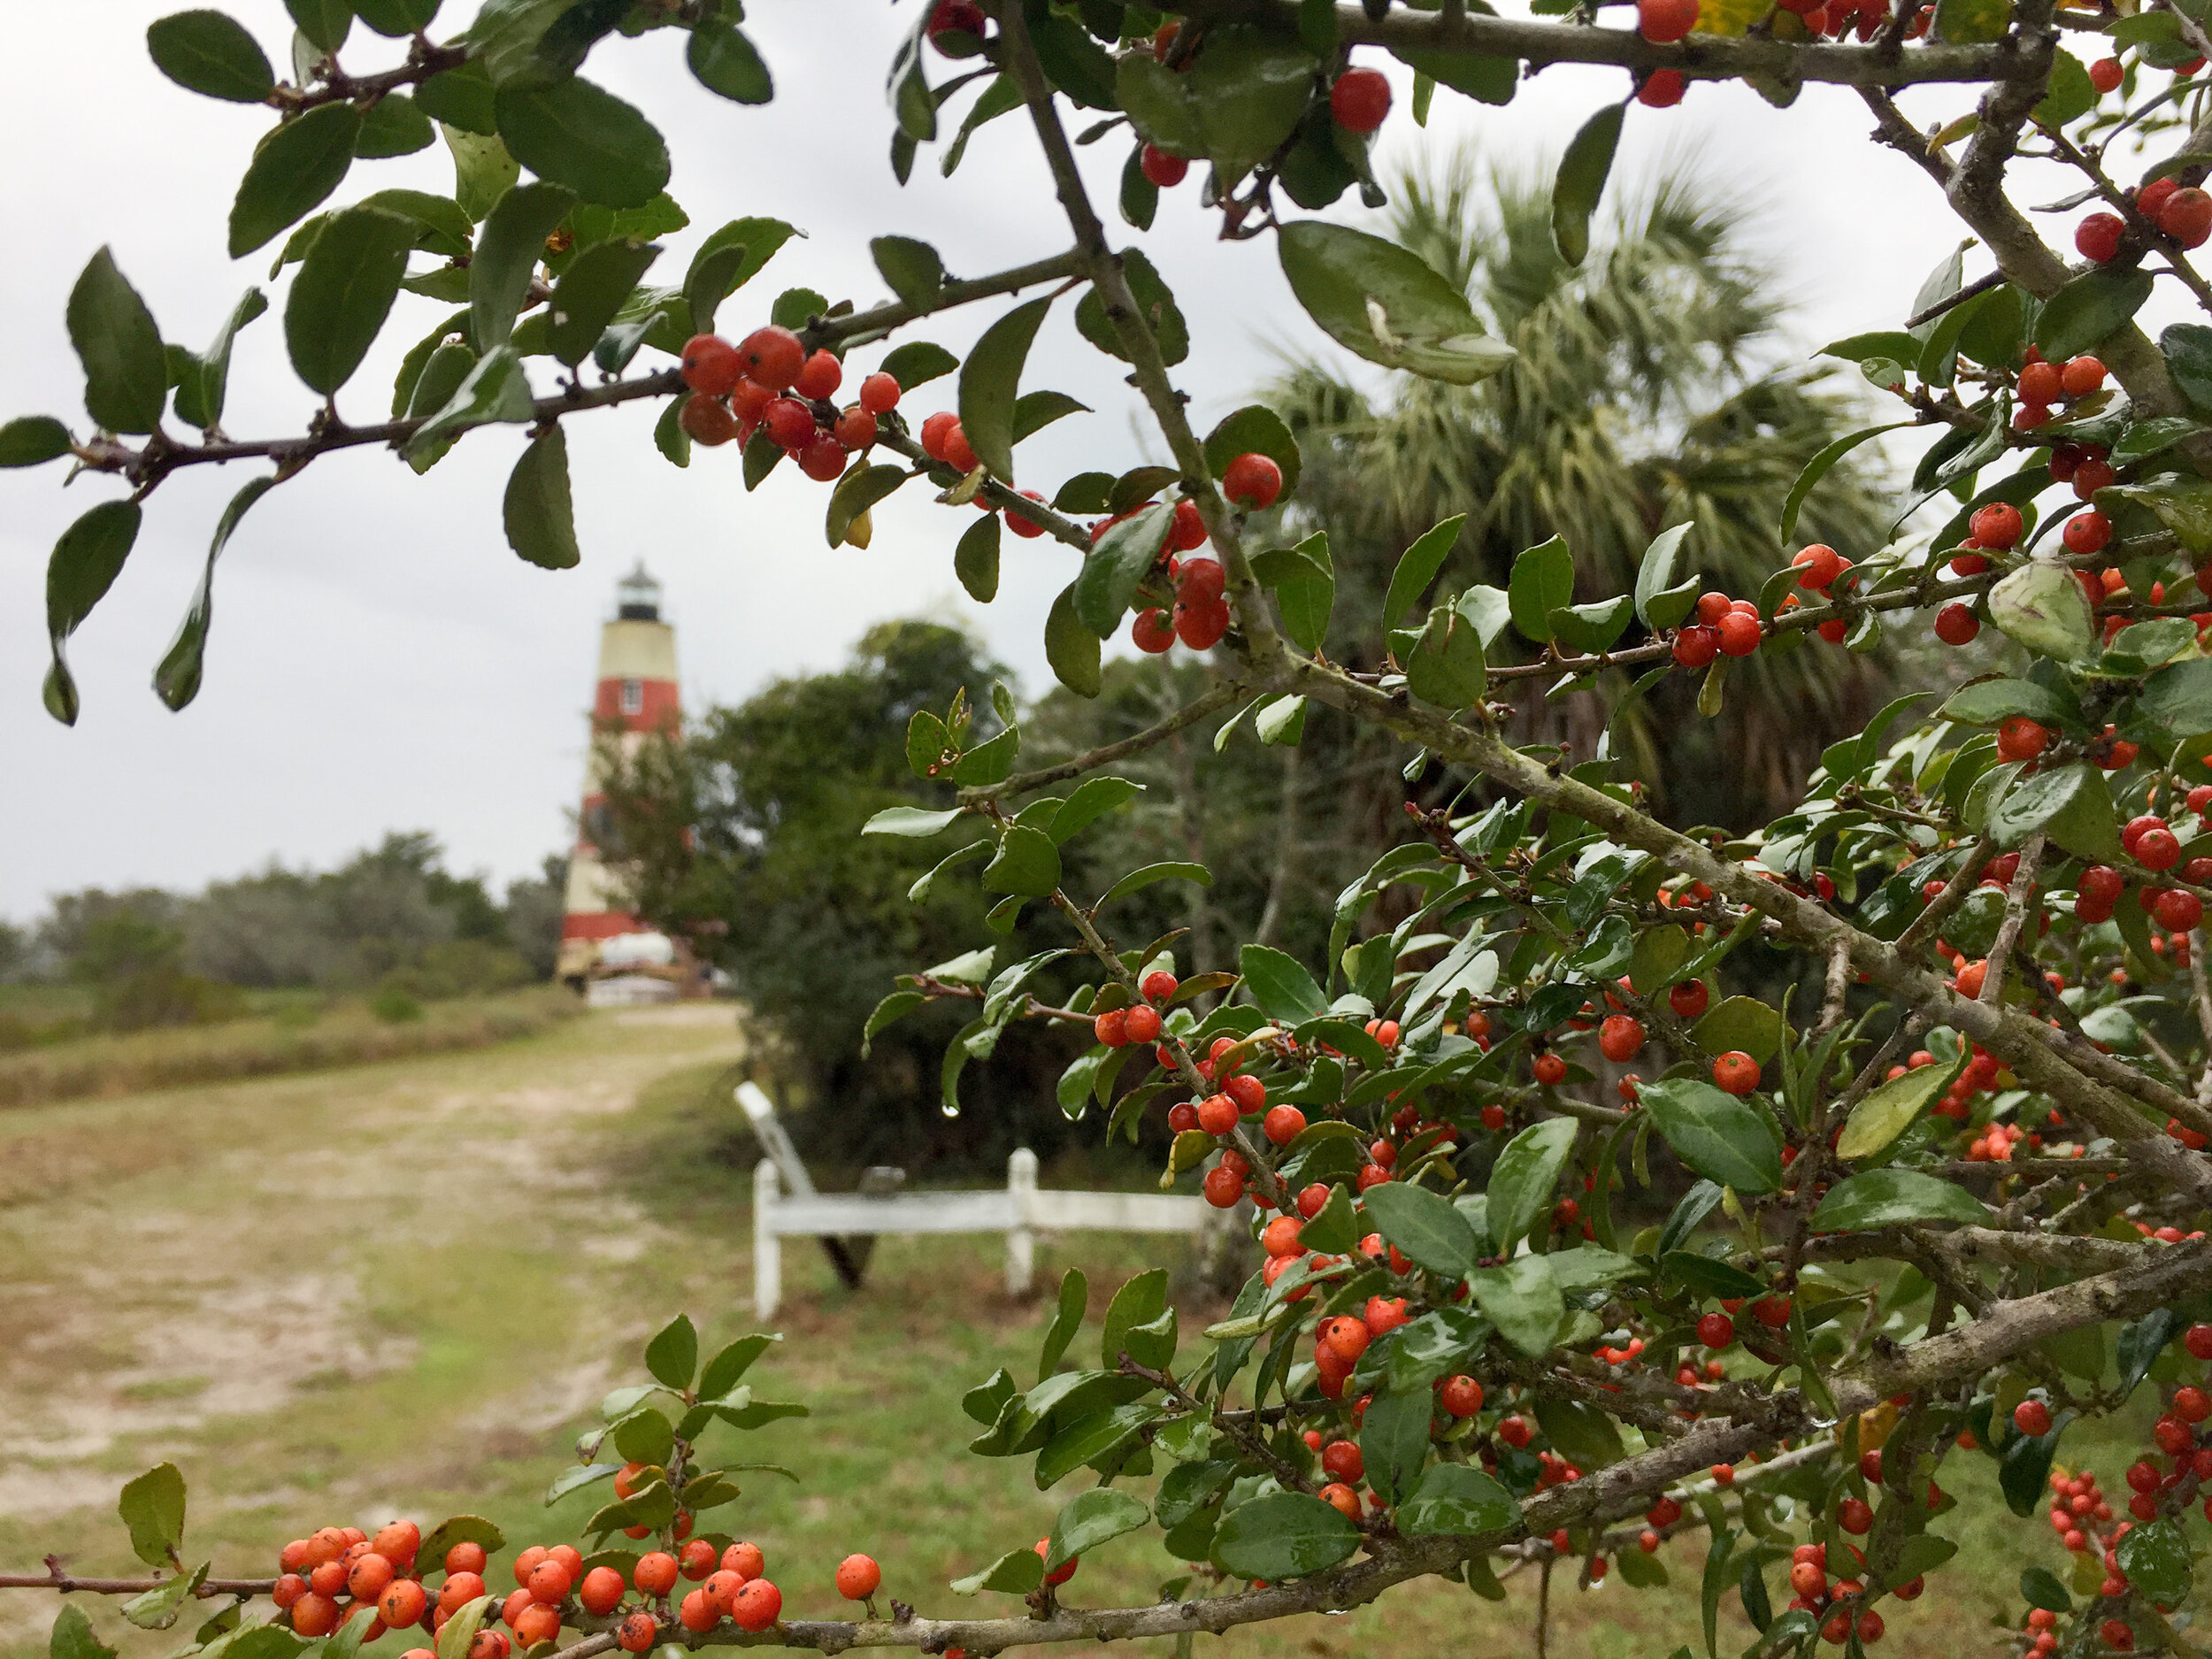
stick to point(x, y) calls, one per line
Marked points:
point(317, 1292)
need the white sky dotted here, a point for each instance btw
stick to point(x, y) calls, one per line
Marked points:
point(381, 660)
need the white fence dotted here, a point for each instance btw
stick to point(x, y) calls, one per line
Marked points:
point(1020, 1212)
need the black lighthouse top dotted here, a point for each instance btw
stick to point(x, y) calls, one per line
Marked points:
point(638, 596)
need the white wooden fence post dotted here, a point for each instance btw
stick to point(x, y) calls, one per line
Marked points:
point(767, 1246)
point(1021, 1242)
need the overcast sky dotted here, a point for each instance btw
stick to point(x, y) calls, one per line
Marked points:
point(380, 660)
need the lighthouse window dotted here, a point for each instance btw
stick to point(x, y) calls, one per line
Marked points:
point(634, 696)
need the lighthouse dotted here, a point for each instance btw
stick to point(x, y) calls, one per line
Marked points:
point(604, 950)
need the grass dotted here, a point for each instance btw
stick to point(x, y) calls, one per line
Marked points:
point(283, 1034)
point(402, 1289)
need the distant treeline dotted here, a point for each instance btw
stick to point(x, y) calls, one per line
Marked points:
point(391, 922)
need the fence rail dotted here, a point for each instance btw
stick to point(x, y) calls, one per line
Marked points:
point(1020, 1211)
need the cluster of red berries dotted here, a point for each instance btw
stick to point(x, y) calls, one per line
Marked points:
point(770, 383)
point(1838, 1601)
point(1200, 614)
point(1725, 627)
point(2182, 212)
point(2043, 383)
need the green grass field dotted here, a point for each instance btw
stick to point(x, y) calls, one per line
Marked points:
point(402, 1289)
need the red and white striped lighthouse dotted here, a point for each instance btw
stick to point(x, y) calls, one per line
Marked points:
point(637, 694)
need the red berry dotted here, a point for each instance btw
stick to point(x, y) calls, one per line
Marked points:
point(1661, 89)
point(823, 459)
point(1696, 646)
point(711, 364)
point(1283, 1125)
point(2087, 532)
point(1736, 1073)
point(1688, 999)
point(2082, 376)
point(600, 1593)
point(2105, 74)
point(2040, 383)
point(880, 393)
point(772, 355)
point(2031, 1417)
point(1252, 481)
point(1663, 20)
point(1062, 1574)
point(758, 1605)
point(858, 1577)
point(790, 423)
point(2187, 217)
point(1152, 629)
point(707, 419)
point(1548, 1069)
point(1025, 528)
point(1112, 1028)
point(1998, 525)
point(2098, 237)
point(1854, 1516)
point(1460, 1396)
point(819, 376)
point(1360, 99)
point(1201, 625)
point(1162, 169)
point(638, 1633)
point(856, 429)
point(655, 1574)
point(1223, 1188)
point(1620, 1037)
point(1717, 1330)
point(2021, 739)
point(1188, 533)
point(1157, 985)
point(1956, 624)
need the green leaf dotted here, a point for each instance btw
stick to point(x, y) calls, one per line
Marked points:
point(2088, 309)
point(1304, 583)
point(294, 171)
point(32, 440)
point(538, 512)
point(1385, 303)
point(1281, 985)
point(393, 126)
point(1972, 22)
point(1028, 863)
point(1722, 1137)
point(460, 98)
point(1457, 1501)
point(1818, 467)
point(2071, 805)
point(1524, 1178)
point(452, 1641)
point(1417, 566)
point(496, 390)
point(1283, 1535)
point(73, 1637)
point(1070, 648)
point(177, 678)
point(2156, 1558)
point(325, 23)
point(84, 564)
point(1584, 1434)
point(860, 489)
point(158, 1609)
point(2042, 606)
point(725, 61)
point(1254, 429)
point(914, 270)
point(483, 172)
point(1888, 1198)
point(975, 560)
point(396, 18)
point(1116, 564)
point(2040, 1587)
point(1016, 1572)
point(909, 821)
point(1592, 627)
point(202, 378)
point(1655, 572)
point(1543, 580)
point(211, 53)
point(460, 1529)
point(672, 1356)
point(126, 369)
point(1246, 93)
point(1445, 666)
point(590, 292)
point(576, 133)
point(1992, 701)
point(152, 1507)
point(1148, 874)
point(1075, 1295)
point(508, 251)
point(1742, 1023)
point(2178, 700)
point(1426, 1228)
point(1089, 1519)
point(989, 383)
point(1522, 1299)
point(343, 293)
point(918, 362)
point(1141, 1300)
point(725, 1370)
point(1891, 1107)
point(1657, 960)
point(1581, 181)
point(2072, 95)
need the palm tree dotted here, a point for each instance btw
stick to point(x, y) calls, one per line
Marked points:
point(1650, 387)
